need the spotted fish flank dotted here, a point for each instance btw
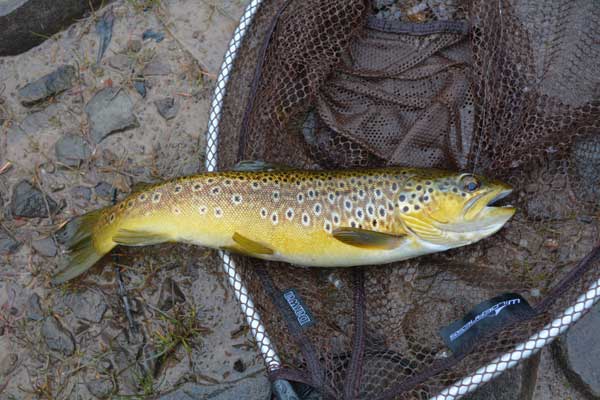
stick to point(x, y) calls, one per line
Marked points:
point(312, 218)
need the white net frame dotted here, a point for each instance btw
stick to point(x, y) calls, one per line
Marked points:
point(455, 391)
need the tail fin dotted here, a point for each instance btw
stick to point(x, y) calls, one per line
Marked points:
point(82, 253)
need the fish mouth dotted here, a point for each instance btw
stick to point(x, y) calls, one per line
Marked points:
point(488, 203)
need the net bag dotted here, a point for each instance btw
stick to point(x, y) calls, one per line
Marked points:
point(508, 89)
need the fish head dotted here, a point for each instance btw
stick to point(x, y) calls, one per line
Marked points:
point(459, 209)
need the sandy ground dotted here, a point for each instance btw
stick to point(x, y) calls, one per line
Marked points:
point(202, 337)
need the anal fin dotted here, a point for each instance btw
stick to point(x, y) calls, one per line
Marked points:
point(368, 239)
point(249, 246)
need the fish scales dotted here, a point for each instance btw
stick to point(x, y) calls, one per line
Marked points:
point(312, 218)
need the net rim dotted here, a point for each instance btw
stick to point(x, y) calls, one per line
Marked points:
point(455, 391)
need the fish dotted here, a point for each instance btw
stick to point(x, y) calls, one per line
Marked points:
point(313, 218)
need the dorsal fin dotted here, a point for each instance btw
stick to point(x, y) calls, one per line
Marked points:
point(257, 165)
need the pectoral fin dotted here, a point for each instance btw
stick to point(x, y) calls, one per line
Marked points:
point(368, 239)
point(249, 246)
point(131, 237)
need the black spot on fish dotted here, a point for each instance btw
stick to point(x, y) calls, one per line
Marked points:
point(419, 187)
point(417, 207)
point(402, 197)
point(405, 209)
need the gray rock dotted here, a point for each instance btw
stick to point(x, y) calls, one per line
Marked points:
point(8, 244)
point(28, 201)
point(505, 387)
point(167, 107)
point(34, 309)
point(110, 111)
point(256, 388)
point(27, 23)
point(579, 353)
point(104, 190)
point(101, 388)
point(81, 192)
point(45, 247)
point(156, 67)
point(170, 294)
point(88, 305)
point(71, 150)
point(57, 338)
point(48, 85)
point(8, 364)
point(120, 62)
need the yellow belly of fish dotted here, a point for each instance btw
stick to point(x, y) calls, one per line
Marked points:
point(289, 240)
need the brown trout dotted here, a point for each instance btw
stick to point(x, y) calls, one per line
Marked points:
point(311, 218)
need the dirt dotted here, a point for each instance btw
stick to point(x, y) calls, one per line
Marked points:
point(201, 337)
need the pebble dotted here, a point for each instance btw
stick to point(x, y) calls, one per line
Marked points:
point(71, 150)
point(88, 305)
point(81, 192)
point(167, 107)
point(134, 45)
point(8, 244)
point(46, 247)
point(28, 201)
point(34, 309)
point(170, 294)
point(579, 353)
point(101, 388)
point(104, 190)
point(57, 338)
point(49, 85)
point(8, 364)
point(120, 62)
point(156, 67)
point(110, 111)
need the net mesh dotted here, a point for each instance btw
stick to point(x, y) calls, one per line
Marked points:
point(505, 88)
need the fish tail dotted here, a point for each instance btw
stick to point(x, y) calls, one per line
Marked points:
point(83, 254)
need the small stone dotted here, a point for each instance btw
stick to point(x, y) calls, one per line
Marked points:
point(28, 201)
point(45, 247)
point(57, 187)
point(170, 294)
point(8, 364)
point(239, 366)
point(110, 111)
point(101, 388)
point(8, 244)
point(140, 87)
point(104, 190)
point(134, 45)
point(81, 192)
point(57, 338)
point(88, 305)
point(120, 62)
point(156, 67)
point(579, 353)
point(167, 107)
point(71, 150)
point(34, 309)
point(48, 85)
point(551, 244)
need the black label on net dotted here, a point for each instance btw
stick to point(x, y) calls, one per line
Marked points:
point(460, 335)
point(303, 315)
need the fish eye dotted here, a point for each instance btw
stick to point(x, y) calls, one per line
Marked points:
point(469, 183)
